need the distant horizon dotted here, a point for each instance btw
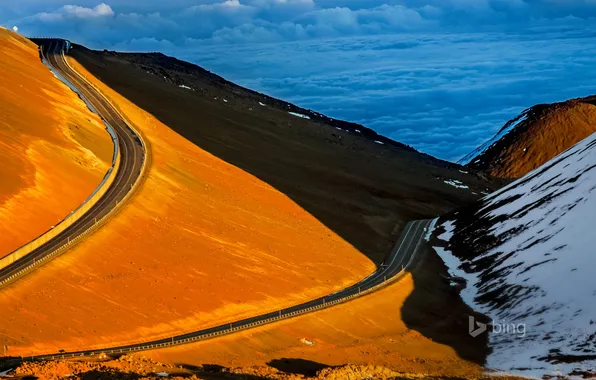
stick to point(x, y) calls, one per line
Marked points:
point(441, 76)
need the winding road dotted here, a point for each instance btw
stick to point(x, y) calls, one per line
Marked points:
point(132, 156)
point(405, 249)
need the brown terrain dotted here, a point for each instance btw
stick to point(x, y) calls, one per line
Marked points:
point(416, 325)
point(247, 209)
point(135, 367)
point(545, 131)
point(54, 150)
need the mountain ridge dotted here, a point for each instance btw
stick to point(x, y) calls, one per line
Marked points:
point(535, 136)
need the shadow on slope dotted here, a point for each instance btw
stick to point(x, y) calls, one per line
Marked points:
point(216, 372)
point(362, 186)
point(297, 366)
point(435, 309)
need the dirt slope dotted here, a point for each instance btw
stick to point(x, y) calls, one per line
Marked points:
point(541, 133)
point(359, 184)
point(203, 242)
point(246, 209)
point(53, 150)
point(417, 325)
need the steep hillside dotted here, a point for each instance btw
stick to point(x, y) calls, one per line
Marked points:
point(54, 151)
point(359, 184)
point(414, 325)
point(527, 254)
point(537, 135)
point(247, 208)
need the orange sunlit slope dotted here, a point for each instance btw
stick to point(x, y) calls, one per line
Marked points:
point(367, 330)
point(202, 243)
point(53, 150)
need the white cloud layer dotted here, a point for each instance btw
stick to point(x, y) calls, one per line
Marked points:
point(442, 75)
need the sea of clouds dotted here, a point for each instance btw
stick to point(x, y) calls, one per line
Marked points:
point(442, 76)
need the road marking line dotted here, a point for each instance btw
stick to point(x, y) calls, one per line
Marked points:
point(402, 243)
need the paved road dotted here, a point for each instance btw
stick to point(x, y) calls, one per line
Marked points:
point(132, 156)
point(405, 249)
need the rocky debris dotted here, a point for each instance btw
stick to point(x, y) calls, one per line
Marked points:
point(125, 367)
point(137, 367)
point(357, 372)
point(307, 342)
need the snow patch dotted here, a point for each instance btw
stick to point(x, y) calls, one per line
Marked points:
point(185, 87)
point(430, 229)
point(262, 105)
point(379, 142)
point(449, 227)
point(299, 115)
point(456, 183)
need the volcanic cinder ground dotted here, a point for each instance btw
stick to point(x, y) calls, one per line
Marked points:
point(203, 242)
point(415, 325)
point(54, 151)
point(246, 209)
point(541, 133)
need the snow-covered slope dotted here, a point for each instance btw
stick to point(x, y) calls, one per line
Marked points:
point(528, 253)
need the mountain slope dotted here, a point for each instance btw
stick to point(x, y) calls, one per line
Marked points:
point(248, 207)
point(534, 137)
point(527, 253)
point(54, 151)
point(358, 183)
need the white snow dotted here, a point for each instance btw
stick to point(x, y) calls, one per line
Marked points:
point(162, 374)
point(430, 229)
point(184, 86)
point(456, 183)
point(449, 228)
point(5, 373)
point(262, 105)
point(357, 130)
point(15, 29)
point(379, 142)
point(339, 129)
point(225, 100)
point(542, 264)
point(453, 263)
point(299, 115)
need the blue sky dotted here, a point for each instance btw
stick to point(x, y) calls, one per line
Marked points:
point(441, 75)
